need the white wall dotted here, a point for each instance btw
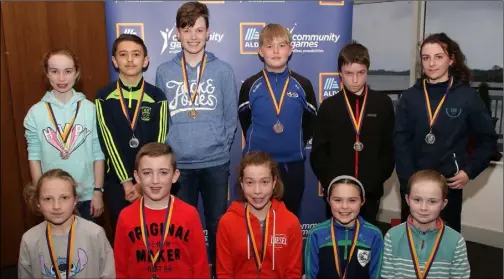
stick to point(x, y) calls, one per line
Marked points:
point(482, 210)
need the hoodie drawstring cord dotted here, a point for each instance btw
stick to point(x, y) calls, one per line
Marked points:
point(248, 247)
point(273, 237)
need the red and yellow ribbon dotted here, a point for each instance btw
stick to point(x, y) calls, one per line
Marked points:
point(66, 130)
point(70, 245)
point(335, 247)
point(137, 108)
point(433, 117)
point(164, 233)
point(186, 78)
point(258, 259)
point(430, 260)
point(278, 105)
point(356, 122)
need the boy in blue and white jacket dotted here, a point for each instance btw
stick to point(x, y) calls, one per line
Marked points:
point(202, 96)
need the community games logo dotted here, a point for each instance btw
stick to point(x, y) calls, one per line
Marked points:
point(301, 41)
point(130, 28)
point(329, 85)
point(173, 46)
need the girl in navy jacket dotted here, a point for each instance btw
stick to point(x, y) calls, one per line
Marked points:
point(434, 120)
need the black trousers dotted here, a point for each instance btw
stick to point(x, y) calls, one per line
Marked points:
point(451, 214)
point(114, 197)
point(293, 178)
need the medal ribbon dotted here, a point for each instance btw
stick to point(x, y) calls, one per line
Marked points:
point(164, 233)
point(433, 118)
point(278, 106)
point(137, 108)
point(258, 260)
point(430, 260)
point(186, 78)
point(356, 168)
point(356, 122)
point(70, 245)
point(335, 247)
point(66, 130)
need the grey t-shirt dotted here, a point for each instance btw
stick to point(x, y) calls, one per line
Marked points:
point(92, 255)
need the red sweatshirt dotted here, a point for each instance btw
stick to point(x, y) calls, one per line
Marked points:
point(235, 255)
point(183, 253)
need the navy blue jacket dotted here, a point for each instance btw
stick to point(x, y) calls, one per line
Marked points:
point(258, 115)
point(462, 114)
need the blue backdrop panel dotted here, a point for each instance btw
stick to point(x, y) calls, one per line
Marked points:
point(319, 29)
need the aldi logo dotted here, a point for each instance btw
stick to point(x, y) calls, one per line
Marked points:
point(329, 85)
point(130, 28)
point(332, 3)
point(249, 36)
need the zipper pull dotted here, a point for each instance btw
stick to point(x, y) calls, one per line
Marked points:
point(421, 246)
point(456, 163)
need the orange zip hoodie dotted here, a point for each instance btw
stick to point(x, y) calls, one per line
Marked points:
point(235, 252)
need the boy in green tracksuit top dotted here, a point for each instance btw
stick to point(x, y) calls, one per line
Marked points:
point(424, 246)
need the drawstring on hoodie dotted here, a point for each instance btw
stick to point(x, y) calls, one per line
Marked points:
point(272, 237)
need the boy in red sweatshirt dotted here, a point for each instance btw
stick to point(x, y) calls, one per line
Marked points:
point(258, 237)
point(159, 223)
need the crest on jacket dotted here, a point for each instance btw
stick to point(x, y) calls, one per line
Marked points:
point(146, 113)
point(363, 257)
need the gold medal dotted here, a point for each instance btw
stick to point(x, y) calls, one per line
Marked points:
point(192, 95)
point(193, 114)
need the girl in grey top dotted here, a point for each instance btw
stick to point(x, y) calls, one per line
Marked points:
point(64, 245)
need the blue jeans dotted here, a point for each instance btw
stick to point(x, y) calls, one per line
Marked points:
point(213, 184)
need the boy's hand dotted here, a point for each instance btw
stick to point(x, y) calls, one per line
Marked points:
point(458, 181)
point(130, 191)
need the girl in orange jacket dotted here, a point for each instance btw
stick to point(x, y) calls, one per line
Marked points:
point(258, 236)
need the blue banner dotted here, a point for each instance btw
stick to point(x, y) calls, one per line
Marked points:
point(319, 30)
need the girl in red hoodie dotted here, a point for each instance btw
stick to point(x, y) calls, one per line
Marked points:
point(258, 236)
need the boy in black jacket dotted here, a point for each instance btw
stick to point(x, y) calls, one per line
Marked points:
point(353, 132)
point(130, 113)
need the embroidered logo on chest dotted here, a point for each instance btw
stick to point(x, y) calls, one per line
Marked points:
point(293, 94)
point(146, 113)
point(363, 257)
point(453, 112)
